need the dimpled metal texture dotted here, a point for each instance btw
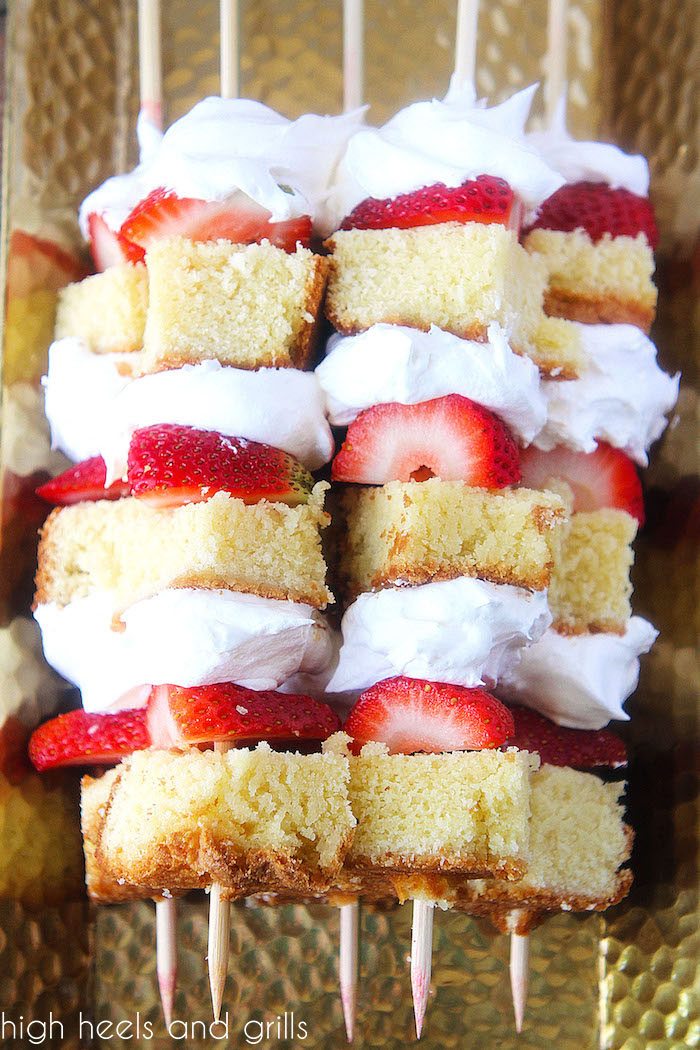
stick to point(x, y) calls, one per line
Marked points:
point(623, 980)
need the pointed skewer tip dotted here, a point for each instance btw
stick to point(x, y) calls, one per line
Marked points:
point(519, 967)
point(421, 960)
point(348, 963)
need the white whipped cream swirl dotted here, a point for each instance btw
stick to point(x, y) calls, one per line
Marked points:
point(580, 681)
point(589, 161)
point(185, 637)
point(621, 397)
point(446, 141)
point(93, 409)
point(392, 363)
point(464, 631)
point(227, 146)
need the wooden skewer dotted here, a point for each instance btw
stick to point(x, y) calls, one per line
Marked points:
point(465, 42)
point(219, 908)
point(229, 21)
point(519, 973)
point(349, 945)
point(219, 935)
point(353, 54)
point(150, 66)
point(421, 959)
point(151, 104)
point(555, 58)
point(353, 96)
point(166, 954)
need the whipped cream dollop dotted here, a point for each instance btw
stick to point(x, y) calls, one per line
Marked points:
point(390, 363)
point(464, 631)
point(589, 161)
point(93, 408)
point(580, 681)
point(621, 397)
point(223, 147)
point(184, 637)
point(446, 141)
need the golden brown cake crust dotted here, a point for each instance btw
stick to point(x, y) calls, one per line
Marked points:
point(588, 310)
point(473, 867)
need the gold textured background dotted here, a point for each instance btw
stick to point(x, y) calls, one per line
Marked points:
point(627, 980)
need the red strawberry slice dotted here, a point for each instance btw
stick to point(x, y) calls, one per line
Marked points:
point(164, 214)
point(79, 738)
point(84, 481)
point(232, 713)
point(408, 715)
point(598, 209)
point(484, 199)
point(604, 478)
point(107, 247)
point(35, 264)
point(169, 465)
point(580, 748)
point(450, 437)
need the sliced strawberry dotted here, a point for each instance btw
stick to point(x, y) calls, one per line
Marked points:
point(107, 247)
point(450, 437)
point(604, 478)
point(598, 209)
point(84, 481)
point(169, 465)
point(38, 265)
point(557, 746)
point(79, 738)
point(484, 199)
point(234, 714)
point(408, 715)
point(164, 214)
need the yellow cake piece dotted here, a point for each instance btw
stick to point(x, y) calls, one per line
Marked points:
point(248, 819)
point(248, 306)
point(107, 311)
point(415, 532)
point(458, 276)
point(590, 589)
point(607, 281)
point(134, 550)
point(464, 811)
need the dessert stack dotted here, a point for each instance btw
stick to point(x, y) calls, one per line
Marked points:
point(484, 498)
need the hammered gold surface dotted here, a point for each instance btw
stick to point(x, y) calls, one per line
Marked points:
point(629, 979)
point(284, 959)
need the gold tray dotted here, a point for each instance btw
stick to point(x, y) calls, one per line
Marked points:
point(622, 980)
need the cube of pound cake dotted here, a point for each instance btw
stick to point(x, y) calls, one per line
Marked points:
point(590, 588)
point(607, 281)
point(465, 811)
point(244, 305)
point(101, 885)
point(578, 844)
point(458, 276)
point(417, 531)
point(250, 820)
point(134, 550)
point(107, 311)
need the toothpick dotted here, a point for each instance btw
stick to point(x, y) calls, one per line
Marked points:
point(150, 66)
point(353, 54)
point(465, 42)
point(229, 22)
point(166, 954)
point(519, 971)
point(421, 959)
point(349, 942)
point(219, 934)
point(555, 58)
